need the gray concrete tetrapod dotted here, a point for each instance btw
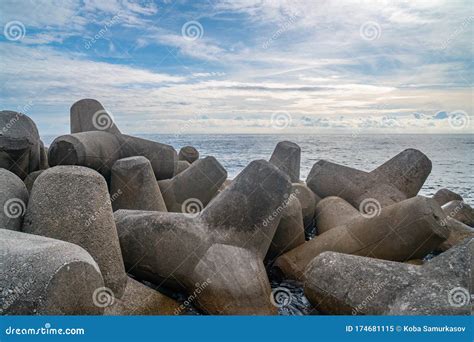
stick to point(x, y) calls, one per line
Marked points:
point(396, 180)
point(100, 150)
point(189, 154)
point(43, 276)
point(460, 211)
point(181, 166)
point(72, 203)
point(133, 186)
point(338, 283)
point(443, 196)
point(90, 115)
point(13, 200)
point(31, 178)
point(287, 157)
point(332, 212)
point(193, 188)
point(20, 144)
point(166, 247)
point(406, 230)
point(308, 200)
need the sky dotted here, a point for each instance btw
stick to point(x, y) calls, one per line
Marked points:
point(242, 66)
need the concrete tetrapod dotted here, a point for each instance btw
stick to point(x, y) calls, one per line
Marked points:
point(90, 115)
point(31, 178)
point(398, 179)
point(406, 230)
point(189, 154)
point(13, 200)
point(166, 247)
point(287, 157)
point(443, 196)
point(308, 200)
point(134, 185)
point(72, 203)
point(460, 211)
point(332, 212)
point(20, 144)
point(193, 188)
point(43, 276)
point(100, 150)
point(337, 283)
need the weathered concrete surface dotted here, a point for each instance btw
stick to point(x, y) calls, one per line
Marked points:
point(13, 200)
point(166, 247)
point(235, 282)
point(20, 144)
point(460, 211)
point(406, 230)
point(139, 299)
point(181, 166)
point(43, 276)
point(189, 154)
point(443, 196)
point(308, 200)
point(458, 232)
point(290, 231)
point(31, 178)
point(72, 203)
point(338, 283)
point(332, 212)
point(100, 150)
point(287, 157)
point(396, 180)
point(195, 186)
point(134, 186)
point(90, 115)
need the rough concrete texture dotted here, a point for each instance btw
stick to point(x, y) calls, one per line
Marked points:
point(31, 178)
point(287, 157)
point(290, 230)
point(338, 283)
point(90, 115)
point(189, 154)
point(20, 144)
point(139, 299)
point(181, 166)
point(166, 247)
point(396, 180)
point(308, 200)
point(13, 200)
point(332, 212)
point(195, 186)
point(72, 203)
point(100, 150)
point(43, 276)
point(133, 186)
point(458, 232)
point(460, 211)
point(233, 281)
point(406, 230)
point(443, 196)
